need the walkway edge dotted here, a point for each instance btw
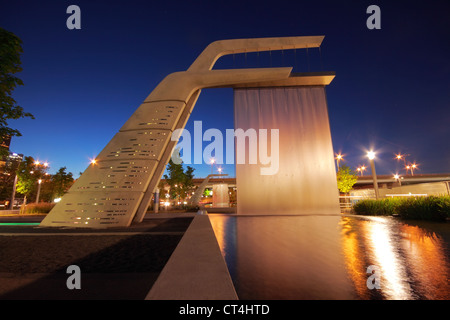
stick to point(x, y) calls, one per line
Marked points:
point(196, 270)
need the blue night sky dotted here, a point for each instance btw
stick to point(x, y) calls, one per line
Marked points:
point(391, 91)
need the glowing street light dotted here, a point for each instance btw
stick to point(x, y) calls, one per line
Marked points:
point(371, 156)
point(413, 167)
point(338, 158)
point(397, 178)
point(212, 161)
point(361, 169)
point(93, 161)
point(402, 157)
point(39, 190)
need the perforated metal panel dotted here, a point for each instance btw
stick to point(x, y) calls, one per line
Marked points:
point(95, 209)
point(109, 192)
point(116, 175)
point(155, 115)
point(143, 144)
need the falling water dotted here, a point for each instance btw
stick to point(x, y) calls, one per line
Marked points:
point(305, 180)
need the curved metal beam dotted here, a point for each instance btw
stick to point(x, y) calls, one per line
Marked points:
point(217, 49)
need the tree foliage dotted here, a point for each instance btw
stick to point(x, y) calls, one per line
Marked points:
point(10, 64)
point(346, 178)
point(28, 174)
point(61, 182)
point(179, 180)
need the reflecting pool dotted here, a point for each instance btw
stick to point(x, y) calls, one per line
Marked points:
point(327, 257)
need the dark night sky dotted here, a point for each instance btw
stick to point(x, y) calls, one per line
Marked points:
point(391, 91)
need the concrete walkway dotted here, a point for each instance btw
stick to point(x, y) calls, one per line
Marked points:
point(196, 270)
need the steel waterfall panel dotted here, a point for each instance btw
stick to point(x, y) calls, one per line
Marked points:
point(303, 181)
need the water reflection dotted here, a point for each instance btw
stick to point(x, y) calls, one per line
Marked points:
point(326, 257)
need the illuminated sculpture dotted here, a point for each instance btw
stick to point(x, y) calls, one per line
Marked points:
point(117, 188)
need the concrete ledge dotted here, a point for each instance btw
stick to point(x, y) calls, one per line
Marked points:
point(196, 270)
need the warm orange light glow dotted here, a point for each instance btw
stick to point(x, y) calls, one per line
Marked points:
point(396, 176)
point(45, 164)
point(36, 162)
point(371, 155)
point(361, 169)
point(93, 161)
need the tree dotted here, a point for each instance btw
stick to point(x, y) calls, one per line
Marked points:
point(346, 178)
point(179, 181)
point(61, 181)
point(29, 173)
point(10, 63)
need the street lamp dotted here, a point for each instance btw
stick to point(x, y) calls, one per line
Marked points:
point(338, 159)
point(212, 164)
point(402, 157)
point(397, 178)
point(361, 169)
point(413, 167)
point(39, 190)
point(371, 156)
point(13, 195)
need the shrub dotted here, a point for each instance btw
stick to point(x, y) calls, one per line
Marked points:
point(42, 207)
point(421, 208)
point(425, 208)
point(383, 207)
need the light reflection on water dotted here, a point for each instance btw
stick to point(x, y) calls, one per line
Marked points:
point(326, 257)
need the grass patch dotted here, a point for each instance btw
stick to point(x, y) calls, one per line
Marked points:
point(435, 208)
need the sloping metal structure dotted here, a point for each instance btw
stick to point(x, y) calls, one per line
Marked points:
point(117, 189)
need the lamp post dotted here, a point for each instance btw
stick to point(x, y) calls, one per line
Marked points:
point(13, 195)
point(338, 159)
point(363, 168)
point(371, 156)
point(397, 178)
point(212, 164)
point(403, 157)
point(413, 167)
point(39, 190)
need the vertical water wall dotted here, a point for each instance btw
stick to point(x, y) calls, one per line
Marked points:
point(221, 198)
point(304, 180)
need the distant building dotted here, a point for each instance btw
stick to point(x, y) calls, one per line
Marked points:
point(9, 161)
